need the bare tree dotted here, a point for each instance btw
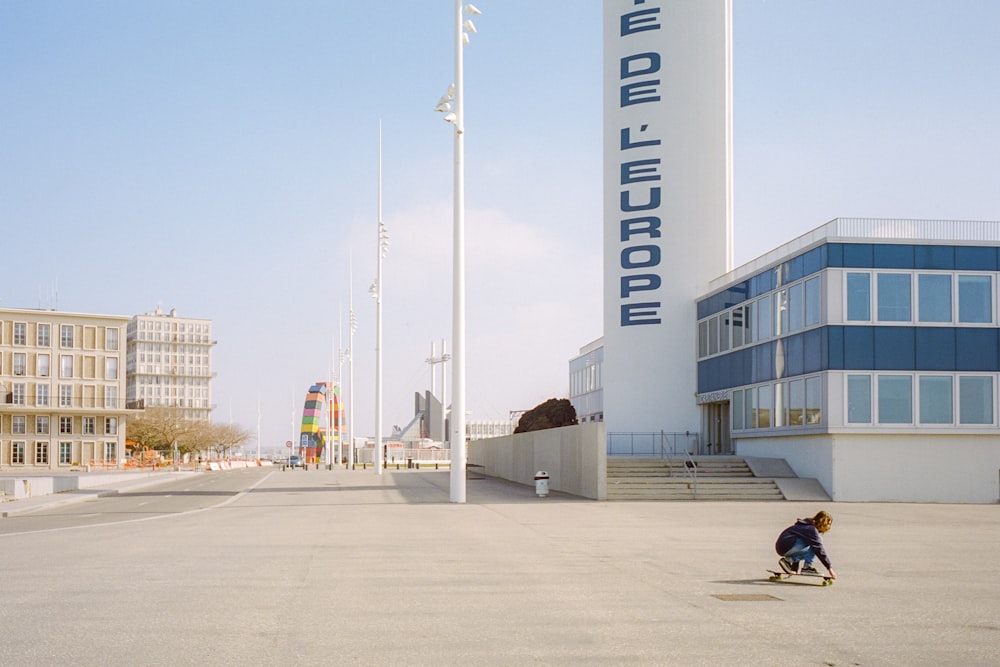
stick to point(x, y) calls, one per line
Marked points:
point(158, 428)
point(226, 436)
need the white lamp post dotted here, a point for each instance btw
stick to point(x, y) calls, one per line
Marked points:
point(352, 326)
point(452, 104)
point(376, 291)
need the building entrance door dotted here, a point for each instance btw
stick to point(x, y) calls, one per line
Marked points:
point(717, 436)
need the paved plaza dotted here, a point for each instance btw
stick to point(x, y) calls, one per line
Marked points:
point(348, 567)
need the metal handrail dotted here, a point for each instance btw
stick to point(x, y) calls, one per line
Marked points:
point(661, 444)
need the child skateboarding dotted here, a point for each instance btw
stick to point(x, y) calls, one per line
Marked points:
point(802, 542)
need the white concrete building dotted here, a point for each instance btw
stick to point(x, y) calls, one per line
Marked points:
point(62, 384)
point(169, 363)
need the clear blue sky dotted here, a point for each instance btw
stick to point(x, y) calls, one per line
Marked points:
point(220, 158)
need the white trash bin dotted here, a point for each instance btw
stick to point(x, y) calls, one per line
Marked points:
point(541, 483)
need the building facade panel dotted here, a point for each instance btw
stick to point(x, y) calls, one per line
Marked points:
point(62, 389)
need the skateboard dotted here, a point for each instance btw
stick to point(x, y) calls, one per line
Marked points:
point(782, 576)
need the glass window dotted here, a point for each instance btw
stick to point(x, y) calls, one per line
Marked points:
point(713, 335)
point(796, 402)
point(41, 453)
point(894, 297)
point(110, 425)
point(975, 298)
point(65, 452)
point(20, 363)
point(764, 400)
point(813, 301)
point(859, 298)
point(17, 452)
point(702, 339)
point(935, 399)
point(66, 425)
point(18, 425)
point(42, 365)
point(895, 399)
point(765, 315)
point(975, 399)
point(20, 333)
point(738, 410)
point(859, 399)
point(43, 335)
point(66, 335)
point(111, 339)
point(934, 297)
point(781, 404)
point(111, 398)
point(65, 396)
point(780, 312)
point(89, 425)
point(109, 451)
point(42, 395)
point(814, 401)
point(66, 365)
point(739, 325)
point(725, 330)
point(41, 424)
point(796, 312)
point(111, 368)
point(750, 408)
point(749, 318)
point(19, 394)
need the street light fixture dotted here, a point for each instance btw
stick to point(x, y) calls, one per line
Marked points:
point(452, 105)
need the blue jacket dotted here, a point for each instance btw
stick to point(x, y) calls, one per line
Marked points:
point(805, 530)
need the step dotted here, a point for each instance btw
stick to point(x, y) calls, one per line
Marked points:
point(704, 478)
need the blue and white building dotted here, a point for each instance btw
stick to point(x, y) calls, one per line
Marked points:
point(865, 353)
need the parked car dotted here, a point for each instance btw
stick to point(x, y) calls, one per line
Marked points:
point(295, 461)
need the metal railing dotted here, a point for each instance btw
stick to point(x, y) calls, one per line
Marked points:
point(366, 455)
point(653, 445)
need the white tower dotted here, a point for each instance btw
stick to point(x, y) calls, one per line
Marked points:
point(667, 200)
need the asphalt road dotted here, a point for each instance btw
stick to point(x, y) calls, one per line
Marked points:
point(184, 495)
point(264, 567)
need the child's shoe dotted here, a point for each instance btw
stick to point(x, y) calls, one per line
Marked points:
point(788, 566)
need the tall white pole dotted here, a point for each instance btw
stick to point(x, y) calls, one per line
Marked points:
point(258, 426)
point(444, 384)
point(338, 404)
point(350, 360)
point(378, 319)
point(457, 439)
point(331, 442)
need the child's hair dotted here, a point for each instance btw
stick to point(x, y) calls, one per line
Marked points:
point(822, 521)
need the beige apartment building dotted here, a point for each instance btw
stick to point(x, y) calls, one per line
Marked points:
point(62, 389)
point(169, 363)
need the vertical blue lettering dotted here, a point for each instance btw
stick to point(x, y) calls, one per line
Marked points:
point(639, 21)
point(631, 226)
point(654, 201)
point(652, 260)
point(626, 139)
point(639, 313)
point(639, 170)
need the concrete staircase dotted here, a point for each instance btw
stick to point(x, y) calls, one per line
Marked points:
point(703, 478)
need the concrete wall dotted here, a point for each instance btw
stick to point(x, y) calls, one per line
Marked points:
point(892, 468)
point(575, 457)
point(13, 486)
